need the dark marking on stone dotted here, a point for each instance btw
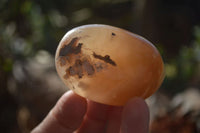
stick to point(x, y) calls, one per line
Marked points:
point(62, 61)
point(76, 69)
point(70, 48)
point(78, 65)
point(105, 58)
point(113, 34)
point(72, 71)
point(99, 67)
point(88, 67)
point(73, 87)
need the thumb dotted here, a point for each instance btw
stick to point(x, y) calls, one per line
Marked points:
point(65, 117)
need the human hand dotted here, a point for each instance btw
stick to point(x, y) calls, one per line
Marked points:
point(73, 113)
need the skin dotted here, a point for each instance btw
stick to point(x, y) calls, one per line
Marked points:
point(75, 114)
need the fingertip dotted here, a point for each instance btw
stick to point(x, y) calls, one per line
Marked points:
point(66, 116)
point(70, 110)
point(135, 116)
point(68, 102)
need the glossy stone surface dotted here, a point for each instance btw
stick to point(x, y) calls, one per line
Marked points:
point(108, 65)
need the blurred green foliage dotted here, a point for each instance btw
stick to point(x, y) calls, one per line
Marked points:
point(182, 69)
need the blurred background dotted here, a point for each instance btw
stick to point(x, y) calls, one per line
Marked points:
point(31, 30)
